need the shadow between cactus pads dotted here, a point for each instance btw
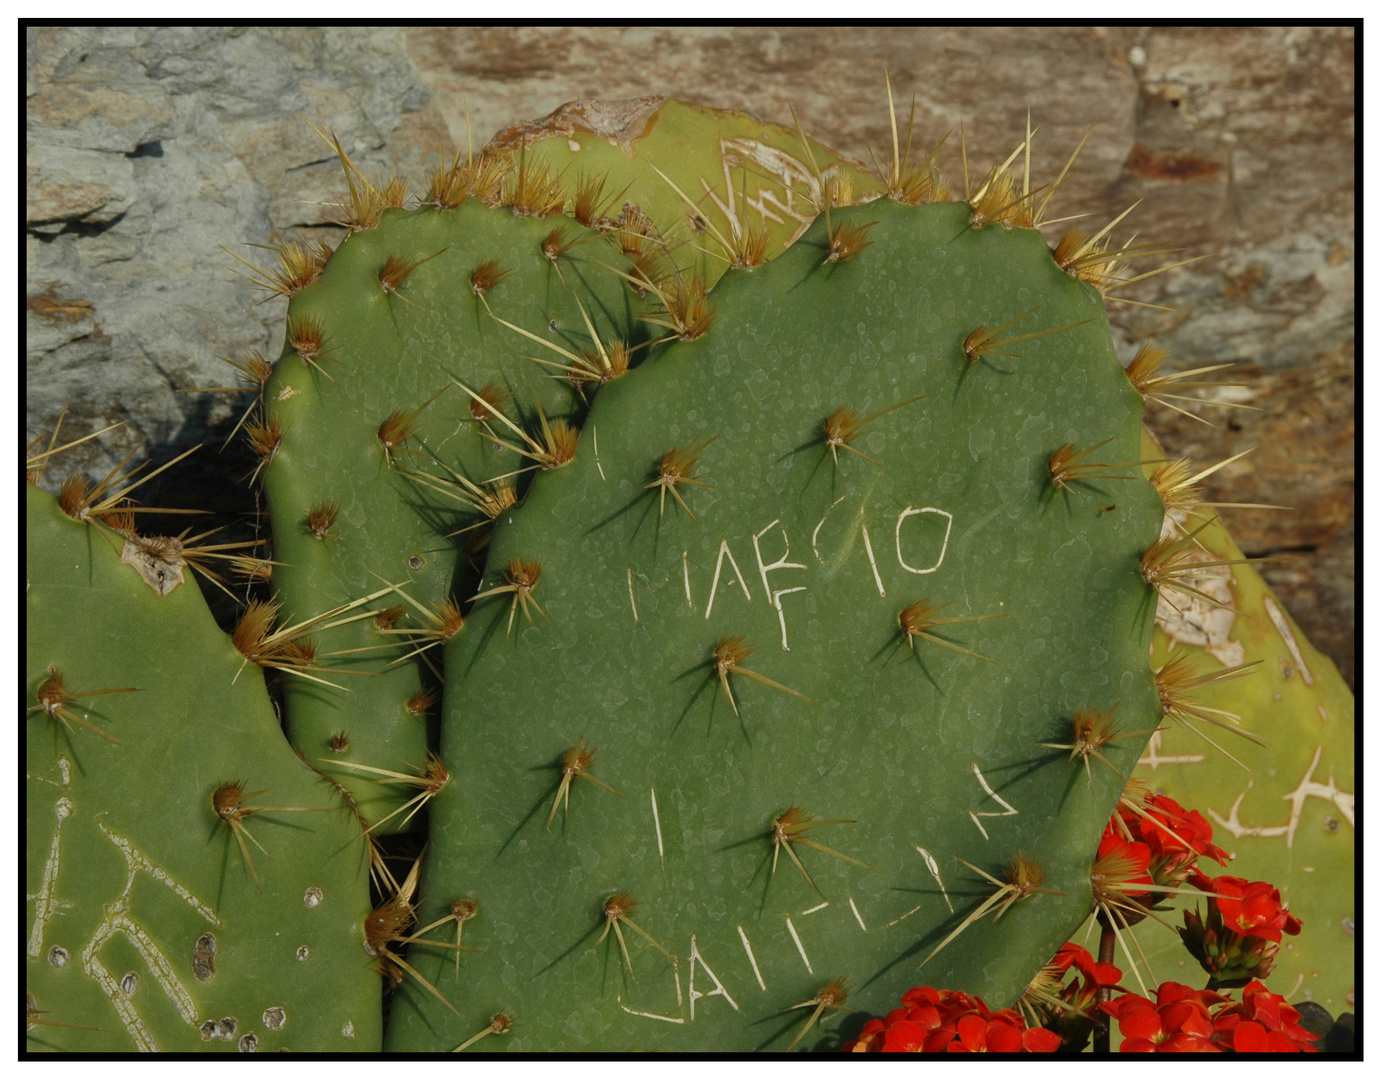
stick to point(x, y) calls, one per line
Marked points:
point(905, 760)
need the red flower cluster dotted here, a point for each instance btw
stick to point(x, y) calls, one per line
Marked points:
point(1180, 1022)
point(1263, 1023)
point(949, 1021)
point(1252, 908)
point(1079, 996)
point(1175, 837)
point(1238, 937)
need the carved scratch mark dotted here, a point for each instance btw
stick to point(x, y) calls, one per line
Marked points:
point(781, 618)
point(739, 576)
point(945, 542)
point(45, 905)
point(1152, 757)
point(697, 958)
point(686, 578)
point(117, 920)
point(857, 917)
point(1284, 629)
point(753, 962)
point(137, 862)
point(91, 964)
point(905, 915)
point(657, 822)
point(1008, 809)
point(1308, 787)
point(64, 771)
point(780, 564)
point(873, 563)
point(936, 872)
point(595, 438)
point(650, 1016)
point(816, 532)
point(633, 603)
point(804, 958)
point(812, 911)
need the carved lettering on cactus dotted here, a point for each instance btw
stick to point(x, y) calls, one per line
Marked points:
point(775, 596)
point(1152, 757)
point(657, 822)
point(753, 962)
point(719, 991)
point(873, 563)
point(1308, 788)
point(816, 532)
point(1008, 809)
point(781, 618)
point(780, 564)
point(738, 576)
point(64, 774)
point(46, 905)
point(935, 869)
point(650, 1016)
point(117, 920)
point(800, 948)
point(910, 512)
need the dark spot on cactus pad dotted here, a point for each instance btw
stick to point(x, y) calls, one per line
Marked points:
point(204, 957)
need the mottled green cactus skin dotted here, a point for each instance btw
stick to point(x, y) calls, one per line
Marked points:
point(705, 152)
point(393, 352)
point(128, 866)
point(1292, 823)
point(895, 739)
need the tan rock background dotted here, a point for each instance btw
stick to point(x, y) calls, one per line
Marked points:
point(147, 148)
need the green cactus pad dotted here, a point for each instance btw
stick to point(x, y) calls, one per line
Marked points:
point(908, 761)
point(738, 170)
point(390, 352)
point(1292, 823)
point(145, 929)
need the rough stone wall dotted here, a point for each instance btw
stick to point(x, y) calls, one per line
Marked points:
point(148, 148)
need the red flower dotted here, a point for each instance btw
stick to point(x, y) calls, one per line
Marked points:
point(1263, 1023)
point(975, 1035)
point(1096, 975)
point(937, 1021)
point(870, 1040)
point(1170, 829)
point(1127, 862)
point(1254, 909)
point(1178, 1023)
point(1238, 937)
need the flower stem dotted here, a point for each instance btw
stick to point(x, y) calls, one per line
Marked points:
point(1107, 939)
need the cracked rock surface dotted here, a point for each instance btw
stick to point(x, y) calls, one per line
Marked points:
point(149, 148)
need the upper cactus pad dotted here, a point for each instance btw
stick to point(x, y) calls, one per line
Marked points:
point(731, 587)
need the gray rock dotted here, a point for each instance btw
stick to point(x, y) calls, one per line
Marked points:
point(148, 149)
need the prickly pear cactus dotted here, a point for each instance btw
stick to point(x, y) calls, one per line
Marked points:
point(191, 884)
point(1290, 820)
point(783, 645)
point(370, 442)
point(696, 174)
